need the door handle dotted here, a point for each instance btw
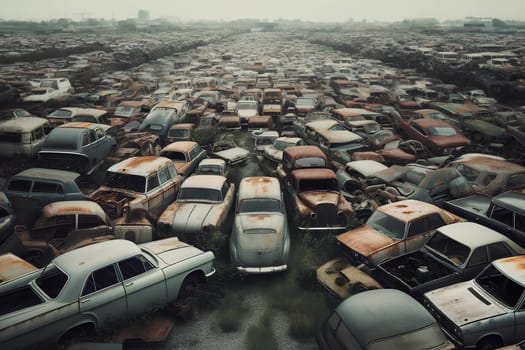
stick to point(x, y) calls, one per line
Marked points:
point(84, 301)
point(129, 284)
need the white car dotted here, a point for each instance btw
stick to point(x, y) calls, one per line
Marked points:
point(275, 151)
point(50, 89)
point(260, 241)
point(89, 287)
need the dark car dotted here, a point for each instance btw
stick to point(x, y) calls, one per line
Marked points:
point(31, 189)
point(77, 146)
point(381, 319)
point(159, 122)
point(7, 217)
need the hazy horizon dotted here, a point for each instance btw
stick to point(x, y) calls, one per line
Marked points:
point(325, 11)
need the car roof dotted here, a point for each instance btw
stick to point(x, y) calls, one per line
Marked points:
point(513, 267)
point(463, 232)
point(78, 125)
point(214, 182)
point(24, 124)
point(81, 261)
point(73, 207)
point(512, 200)
point(409, 209)
point(213, 161)
point(295, 152)
point(142, 166)
point(259, 187)
point(48, 174)
point(180, 146)
point(323, 124)
point(482, 163)
point(366, 167)
point(428, 123)
point(381, 313)
point(339, 136)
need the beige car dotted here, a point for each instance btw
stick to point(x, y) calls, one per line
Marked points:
point(394, 229)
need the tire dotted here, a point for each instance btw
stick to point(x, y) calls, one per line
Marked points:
point(490, 343)
point(189, 287)
point(80, 333)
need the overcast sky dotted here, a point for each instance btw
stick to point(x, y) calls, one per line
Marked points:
point(317, 10)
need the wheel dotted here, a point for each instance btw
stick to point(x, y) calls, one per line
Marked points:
point(189, 287)
point(489, 343)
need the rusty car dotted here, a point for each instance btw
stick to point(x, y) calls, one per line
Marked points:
point(486, 312)
point(212, 166)
point(489, 175)
point(77, 114)
point(274, 152)
point(393, 229)
point(128, 111)
point(62, 226)
point(181, 132)
point(11, 266)
point(136, 192)
point(200, 211)
point(319, 204)
point(185, 155)
point(301, 157)
point(77, 146)
point(260, 241)
point(262, 139)
point(93, 286)
point(381, 319)
point(455, 253)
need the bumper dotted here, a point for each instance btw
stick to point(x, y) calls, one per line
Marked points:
point(260, 270)
point(211, 273)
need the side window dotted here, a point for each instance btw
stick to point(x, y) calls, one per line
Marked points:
point(92, 137)
point(519, 222)
point(164, 175)
point(85, 140)
point(100, 279)
point(19, 186)
point(172, 170)
point(434, 221)
point(417, 227)
point(87, 221)
point(498, 251)
point(153, 182)
point(47, 187)
point(479, 256)
point(134, 266)
point(503, 215)
point(225, 189)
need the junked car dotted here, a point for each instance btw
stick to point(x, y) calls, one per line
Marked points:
point(275, 151)
point(339, 145)
point(7, 217)
point(486, 312)
point(181, 132)
point(136, 192)
point(260, 240)
point(300, 157)
point(90, 287)
point(455, 253)
point(11, 266)
point(77, 146)
point(381, 319)
point(76, 114)
point(23, 137)
point(393, 229)
point(185, 155)
point(247, 109)
point(264, 139)
point(229, 151)
point(318, 202)
point(62, 226)
point(200, 210)
point(50, 89)
point(212, 166)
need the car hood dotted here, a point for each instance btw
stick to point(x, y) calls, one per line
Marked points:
point(463, 303)
point(450, 141)
point(191, 217)
point(396, 154)
point(314, 198)
point(171, 250)
point(273, 153)
point(233, 153)
point(365, 240)
point(247, 113)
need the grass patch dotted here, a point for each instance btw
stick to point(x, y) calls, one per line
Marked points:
point(260, 336)
point(230, 315)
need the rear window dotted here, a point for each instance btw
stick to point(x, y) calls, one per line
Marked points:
point(63, 138)
point(310, 162)
point(52, 281)
point(200, 194)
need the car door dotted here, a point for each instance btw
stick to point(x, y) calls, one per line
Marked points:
point(154, 195)
point(103, 295)
point(144, 284)
point(102, 145)
point(168, 185)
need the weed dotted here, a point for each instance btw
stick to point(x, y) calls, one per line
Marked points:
point(231, 313)
point(260, 336)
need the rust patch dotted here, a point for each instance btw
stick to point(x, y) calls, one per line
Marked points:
point(12, 266)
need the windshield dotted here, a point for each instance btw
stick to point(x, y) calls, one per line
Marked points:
point(174, 155)
point(441, 131)
point(60, 113)
point(310, 162)
point(130, 182)
point(447, 248)
point(387, 224)
point(126, 111)
point(178, 133)
point(257, 205)
point(63, 138)
point(282, 145)
point(318, 185)
point(210, 169)
point(500, 286)
point(199, 194)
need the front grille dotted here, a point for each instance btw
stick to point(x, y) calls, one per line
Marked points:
point(327, 214)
